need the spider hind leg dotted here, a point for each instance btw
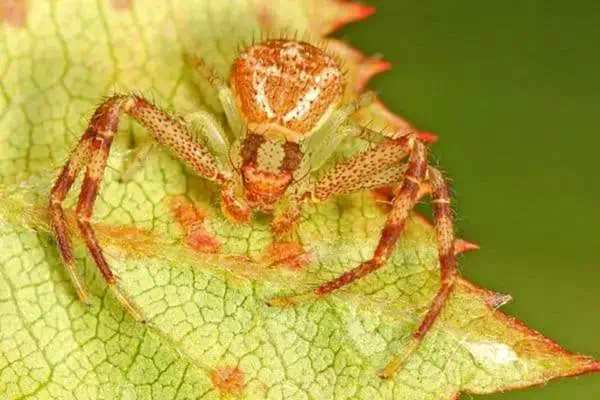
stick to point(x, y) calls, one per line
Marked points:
point(444, 228)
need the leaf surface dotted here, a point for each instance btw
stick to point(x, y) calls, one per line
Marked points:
point(202, 282)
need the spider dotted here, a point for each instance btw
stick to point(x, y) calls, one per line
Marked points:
point(283, 105)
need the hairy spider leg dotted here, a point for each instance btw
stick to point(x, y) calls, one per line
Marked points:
point(201, 123)
point(372, 168)
point(444, 228)
point(355, 175)
point(93, 150)
point(78, 158)
point(403, 204)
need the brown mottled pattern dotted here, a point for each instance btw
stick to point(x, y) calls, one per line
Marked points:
point(289, 255)
point(93, 150)
point(290, 83)
point(403, 204)
point(263, 189)
point(173, 134)
point(369, 169)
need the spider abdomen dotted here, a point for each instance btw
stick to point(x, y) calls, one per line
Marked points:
point(287, 86)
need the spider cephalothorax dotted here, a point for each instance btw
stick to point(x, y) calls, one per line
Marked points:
point(267, 169)
point(285, 119)
point(284, 90)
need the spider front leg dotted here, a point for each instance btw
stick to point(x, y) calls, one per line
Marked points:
point(92, 151)
point(352, 175)
point(200, 123)
point(372, 168)
point(402, 205)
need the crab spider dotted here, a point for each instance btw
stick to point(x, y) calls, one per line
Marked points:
point(284, 109)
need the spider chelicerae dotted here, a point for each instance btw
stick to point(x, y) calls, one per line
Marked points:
point(284, 109)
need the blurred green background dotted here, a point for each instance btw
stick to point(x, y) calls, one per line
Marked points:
point(513, 89)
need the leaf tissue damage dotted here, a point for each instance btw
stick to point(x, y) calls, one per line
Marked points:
point(202, 282)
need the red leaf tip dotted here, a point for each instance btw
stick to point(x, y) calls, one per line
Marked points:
point(462, 246)
point(351, 12)
point(368, 68)
point(361, 11)
point(594, 366)
point(428, 137)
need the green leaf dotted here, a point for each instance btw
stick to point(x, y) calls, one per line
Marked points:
point(202, 282)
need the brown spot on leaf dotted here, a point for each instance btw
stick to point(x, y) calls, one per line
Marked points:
point(192, 218)
point(122, 4)
point(229, 381)
point(202, 241)
point(290, 255)
point(14, 12)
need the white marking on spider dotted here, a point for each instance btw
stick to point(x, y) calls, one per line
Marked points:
point(260, 77)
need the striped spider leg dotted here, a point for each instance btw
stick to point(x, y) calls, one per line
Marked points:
point(379, 166)
point(92, 152)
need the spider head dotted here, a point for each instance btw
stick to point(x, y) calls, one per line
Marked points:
point(284, 89)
